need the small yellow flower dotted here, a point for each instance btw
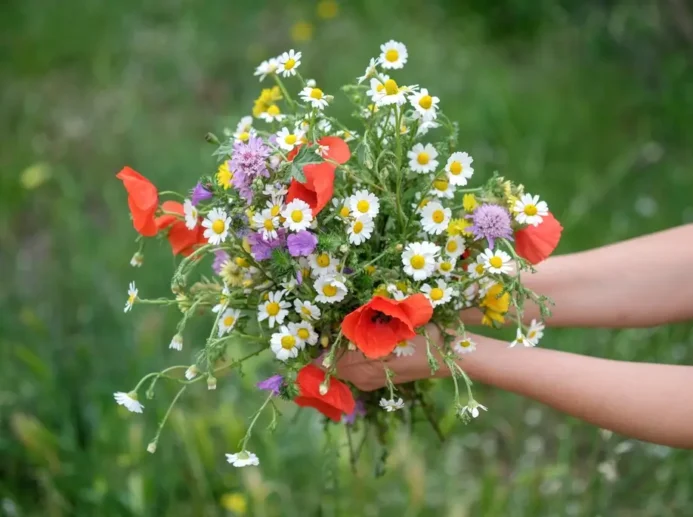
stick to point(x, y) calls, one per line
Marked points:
point(301, 31)
point(224, 175)
point(381, 291)
point(234, 502)
point(402, 286)
point(495, 306)
point(459, 227)
point(268, 97)
point(490, 316)
point(469, 202)
point(327, 9)
point(369, 269)
point(246, 245)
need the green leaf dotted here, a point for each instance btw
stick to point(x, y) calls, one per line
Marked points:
point(297, 172)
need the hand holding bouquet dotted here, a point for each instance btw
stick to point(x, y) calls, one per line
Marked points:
point(327, 238)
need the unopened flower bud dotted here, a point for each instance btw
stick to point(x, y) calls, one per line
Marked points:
point(324, 341)
point(176, 342)
point(191, 372)
point(211, 382)
point(324, 387)
point(151, 448)
point(399, 247)
point(343, 248)
point(327, 361)
point(311, 83)
point(137, 260)
point(351, 346)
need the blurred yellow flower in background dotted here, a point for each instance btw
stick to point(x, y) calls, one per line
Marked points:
point(35, 175)
point(327, 9)
point(302, 31)
point(234, 502)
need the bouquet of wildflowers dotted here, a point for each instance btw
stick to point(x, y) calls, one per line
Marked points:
point(327, 236)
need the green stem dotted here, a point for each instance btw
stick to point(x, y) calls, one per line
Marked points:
point(248, 433)
point(168, 412)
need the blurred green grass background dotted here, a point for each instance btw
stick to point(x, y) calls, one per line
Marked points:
point(588, 103)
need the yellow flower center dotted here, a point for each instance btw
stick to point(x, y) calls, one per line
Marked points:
point(289, 64)
point(275, 210)
point(402, 286)
point(424, 202)
point(273, 110)
point(303, 333)
point(241, 262)
point(297, 216)
point(363, 206)
point(290, 139)
point(131, 298)
point(288, 342)
point(532, 334)
point(344, 211)
point(391, 87)
point(455, 168)
point(465, 343)
point(379, 88)
point(417, 261)
point(229, 320)
point(451, 247)
point(437, 294)
point(218, 226)
point(358, 226)
point(402, 344)
point(425, 102)
point(316, 93)
point(530, 210)
point(269, 225)
point(272, 308)
point(438, 216)
point(370, 269)
point(392, 55)
point(479, 268)
point(423, 158)
point(445, 266)
point(244, 136)
point(329, 290)
point(305, 311)
point(496, 262)
point(323, 260)
point(441, 185)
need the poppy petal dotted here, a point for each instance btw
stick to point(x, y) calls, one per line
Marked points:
point(418, 309)
point(320, 179)
point(536, 243)
point(338, 150)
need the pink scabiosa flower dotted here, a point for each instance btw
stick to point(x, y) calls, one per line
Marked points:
point(249, 161)
point(491, 222)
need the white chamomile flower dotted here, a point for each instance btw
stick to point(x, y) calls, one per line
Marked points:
point(288, 63)
point(304, 332)
point(285, 344)
point(190, 213)
point(529, 210)
point(459, 168)
point(297, 215)
point(425, 126)
point(132, 296)
point(192, 372)
point(535, 332)
point(464, 345)
point(311, 83)
point(497, 262)
point(176, 342)
point(425, 104)
point(330, 289)
point(438, 295)
point(371, 70)
point(395, 292)
point(216, 226)
point(137, 259)
point(435, 218)
point(274, 309)
point(275, 205)
point(391, 405)
point(360, 230)
point(243, 459)
point(223, 300)
point(273, 113)
point(521, 339)
point(446, 266)
point(267, 224)
point(376, 92)
point(393, 54)
point(392, 93)
point(322, 150)
point(472, 409)
point(363, 203)
point(324, 126)
point(315, 97)
point(404, 349)
point(341, 207)
point(477, 269)
point(129, 400)
point(244, 136)
point(275, 190)
point(323, 264)
point(467, 298)
point(455, 246)
point(443, 189)
point(307, 310)
point(266, 68)
point(419, 259)
point(287, 140)
point(346, 135)
point(422, 158)
point(228, 320)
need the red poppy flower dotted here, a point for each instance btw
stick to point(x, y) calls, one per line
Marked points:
point(377, 327)
point(143, 199)
point(318, 187)
point(536, 243)
point(337, 401)
point(183, 241)
point(337, 149)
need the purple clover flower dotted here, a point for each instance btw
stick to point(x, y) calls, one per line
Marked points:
point(262, 249)
point(359, 411)
point(302, 244)
point(491, 222)
point(200, 193)
point(220, 258)
point(272, 384)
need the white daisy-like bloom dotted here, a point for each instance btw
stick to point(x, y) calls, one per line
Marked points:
point(392, 93)
point(459, 168)
point(363, 203)
point(323, 264)
point(245, 124)
point(216, 226)
point(455, 246)
point(267, 224)
point(464, 345)
point(422, 158)
point(272, 114)
point(132, 296)
point(347, 135)
point(307, 310)
point(330, 289)
point(404, 349)
point(342, 208)
point(392, 404)
point(425, 104)
point(137, 259)
point(419, 259)
point(520, 339)
point(371, 109)
point(472, 409)
point(315, 97)
point(176, 342)
point(285, 344)
point(322, 150)
point(443, 189)
point(129, 400)
point(446, 266)
point(535, 332)
point(477, 269)
point(371, 70)
point(266, 68)
point(439, 294)
point(393, 55)
point(305, 332)
point(288, 63)
point(467, 298)
point(243, 459)
point(244, 136)
point(275, 205)
point(497, 262)
point(311, 83)
point(297, 215)
point(360, 230)
point(529, 210)
point(324, 126)
point(303, 125)
point(435, 218)
point(275, 190)
point(376, 92)
point(190, 213)
point(287, 140)
point(228, 320)
point(191, 372)
point(274, 309)
point(395, 292)
point(425, 126)
point(223, 299)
